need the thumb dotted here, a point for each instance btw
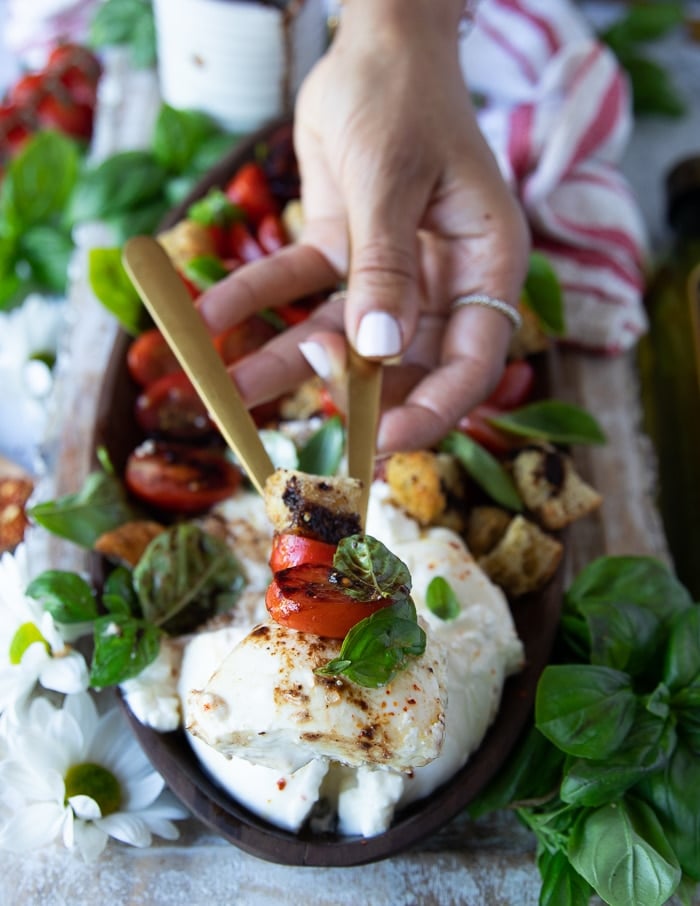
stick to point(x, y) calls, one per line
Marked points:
point(382, 305)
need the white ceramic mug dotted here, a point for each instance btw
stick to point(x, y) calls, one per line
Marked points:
point(241, 61)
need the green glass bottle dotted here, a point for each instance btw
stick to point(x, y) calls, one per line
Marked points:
point(669, 369)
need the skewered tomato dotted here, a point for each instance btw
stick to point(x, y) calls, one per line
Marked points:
point(515, 386)
point(243, 338)
point(476, 424)
point(180, 478)
point(304, 598)
point(171, 406)
point(295, 550)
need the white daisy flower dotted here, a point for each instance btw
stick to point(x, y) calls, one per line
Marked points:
point(74, 775)
point(32, 648)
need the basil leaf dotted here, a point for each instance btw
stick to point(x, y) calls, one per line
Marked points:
point(653, 91)
point(215, 209)
point(562, 885)
point(12, 286)
point(323, 451)
point(543, 295)
point(533, 771)
point(682, 662)
point(647, 748)
point(205, 270)
point(66, 596)
point(48, 251)
point(119, 584)
point(485, 469)
point(39, 181)
point(586, 711)
point(643, 22)
point(621, 850)
point(372, 569)
point(625, 637)
point(120, 183)
point(98, 507)
point(561, 423)
point(441, 599)
point(210, 151)
point(186, 576)
point(643, 581)
point(178, 134)
point(123, 647)
point(110, 282)
point(140, 220)
point(379, 646)
point(674, 794)
point(126, 23)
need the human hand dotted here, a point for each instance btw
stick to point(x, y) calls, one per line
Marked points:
point(402, 197)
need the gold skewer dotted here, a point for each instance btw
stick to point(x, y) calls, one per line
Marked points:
point(364, 392)
point(168, 301)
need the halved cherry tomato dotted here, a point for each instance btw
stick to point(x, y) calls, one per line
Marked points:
point(172, 407)
point(296, 550)
point(515, 386)
point(476, 424)
point(250, 189)
point(66, 115)
point(180, 478)
point(243, 338)
point(242, 244)
point(149, 358)
point(304, 598)
point(271, 234)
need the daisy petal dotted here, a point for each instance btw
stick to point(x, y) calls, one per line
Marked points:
point(32, 827)
point(128, 828)
point(67, 674)
point(90, 840)
point(85, 807)
point(140, 793)
point(161, 827)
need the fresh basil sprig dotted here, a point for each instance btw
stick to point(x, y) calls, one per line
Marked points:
point(543, 295)
point(323, 451)
point(376, 648)
point(441, 599)
point(484, 468)
point(184, 577)
point(608, 778)
point(554, 420)
point(379, 646)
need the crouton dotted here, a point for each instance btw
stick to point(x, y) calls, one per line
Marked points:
point(524, 560)
point(185, 241)
point(529, 338)
point(486, 525)
point(551, 488)
point(14, 494)
point(415, 484)
point(320, 507)
point(127, 543)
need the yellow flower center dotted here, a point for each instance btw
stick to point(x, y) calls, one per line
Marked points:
point(98, 783)
point(26, 635)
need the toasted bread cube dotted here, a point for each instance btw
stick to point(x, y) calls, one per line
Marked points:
point(321, 507)
point(529, 338)
point(187, 240)
point(486, 526)
point(126, 543)
point(415, 484)
point(551, 488)
point(15, 492)
point(524, 560)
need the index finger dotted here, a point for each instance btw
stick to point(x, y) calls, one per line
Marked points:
point(291, 273)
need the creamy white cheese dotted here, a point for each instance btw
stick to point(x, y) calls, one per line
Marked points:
point(480, 645)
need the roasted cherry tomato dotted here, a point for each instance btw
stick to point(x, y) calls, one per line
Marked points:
point(243, 338)
point(515, 386)
point(172, 407)
point(149, 358)
point(180, 478)
point(304, 598)
point(250, 189)
point(242, 244)
point(478, 427)
point(65, 115)
point(271, 234)
point(295, 550)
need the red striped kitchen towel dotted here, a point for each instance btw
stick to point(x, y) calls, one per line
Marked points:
point(557, 114)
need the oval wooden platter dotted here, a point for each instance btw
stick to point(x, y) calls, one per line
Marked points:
point(536, 618)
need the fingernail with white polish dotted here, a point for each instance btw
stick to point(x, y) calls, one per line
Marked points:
point(379, 335)
point(316, 355)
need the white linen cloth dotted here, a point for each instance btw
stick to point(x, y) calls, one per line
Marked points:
point(555, 108)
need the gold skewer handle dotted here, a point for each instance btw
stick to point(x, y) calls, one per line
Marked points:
point(168, 301)
point(364, 393)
